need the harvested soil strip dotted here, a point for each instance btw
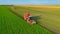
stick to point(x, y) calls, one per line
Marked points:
point(51, 28)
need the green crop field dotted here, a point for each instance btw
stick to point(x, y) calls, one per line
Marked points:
point(50, 17)
point(12, 24)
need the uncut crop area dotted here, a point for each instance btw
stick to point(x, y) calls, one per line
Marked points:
point(50, 15)
point(10, 23)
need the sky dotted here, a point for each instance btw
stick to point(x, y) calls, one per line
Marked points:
point(29, 1)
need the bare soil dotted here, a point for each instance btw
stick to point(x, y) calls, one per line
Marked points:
point(51, 28)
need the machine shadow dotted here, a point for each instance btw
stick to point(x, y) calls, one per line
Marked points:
point(36, 18)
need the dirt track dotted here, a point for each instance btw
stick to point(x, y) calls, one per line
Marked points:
point(51, 28)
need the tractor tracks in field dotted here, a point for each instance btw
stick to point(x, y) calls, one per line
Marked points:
point(12, 11)
point(51, 28)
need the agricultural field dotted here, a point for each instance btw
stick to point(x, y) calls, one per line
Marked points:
point(50, 17)
point(10, 23)
point(44, 6)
